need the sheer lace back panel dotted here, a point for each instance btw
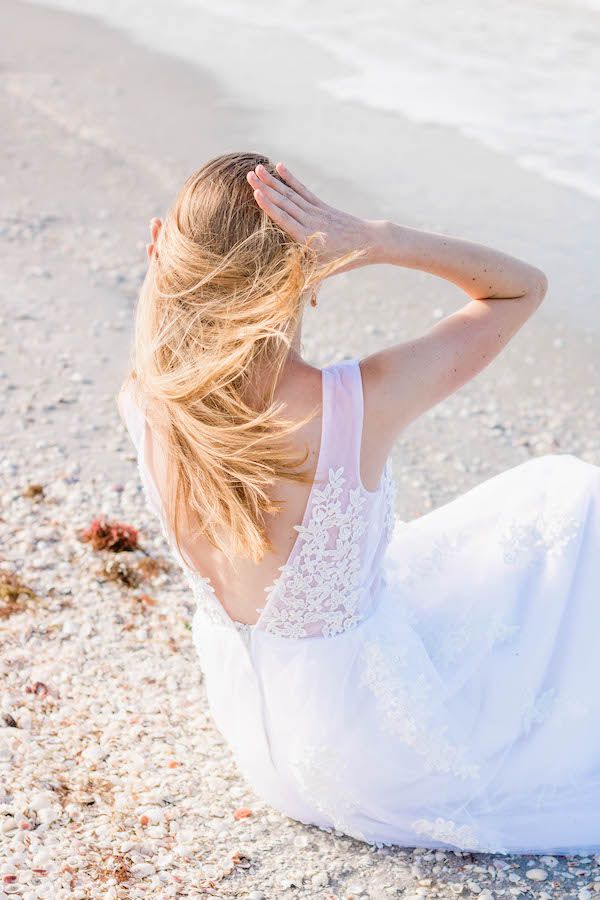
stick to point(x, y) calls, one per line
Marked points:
point(328, 583)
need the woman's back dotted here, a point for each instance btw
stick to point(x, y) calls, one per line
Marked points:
point(318, 521)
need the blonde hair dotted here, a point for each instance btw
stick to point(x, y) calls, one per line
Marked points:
point(214, 322)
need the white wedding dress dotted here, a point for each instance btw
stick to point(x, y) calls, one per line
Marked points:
point(425, 683)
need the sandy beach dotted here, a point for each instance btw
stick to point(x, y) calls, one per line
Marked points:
point(114, 783)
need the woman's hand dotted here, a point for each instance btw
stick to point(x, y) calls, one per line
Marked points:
point(300, 213)
point(155, 226)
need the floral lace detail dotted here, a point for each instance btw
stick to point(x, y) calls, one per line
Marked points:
point(502, 631)
point(406, 700)
point(244, 630)
point(389, 500)
point(456, 640)
point(448, 641)
point(321, 585)
point(209, 607)
point(433, 562)
point(548, 534)
point(207, 603)
point(321, 778)
point(463, 837)
point(538, 708)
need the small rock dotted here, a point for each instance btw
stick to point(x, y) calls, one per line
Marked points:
point(537, 874)
point(143, 870)
point(242, 813)
point(48, 814)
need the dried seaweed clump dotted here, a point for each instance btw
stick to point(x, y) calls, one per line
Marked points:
point(33, 491)
point(150, 566)
point(114, 536)
point(14, 595)
point(121, 572)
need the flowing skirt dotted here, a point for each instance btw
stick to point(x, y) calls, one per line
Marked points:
point(464, 711)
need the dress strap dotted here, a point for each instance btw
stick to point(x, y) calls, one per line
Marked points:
point(346, 418)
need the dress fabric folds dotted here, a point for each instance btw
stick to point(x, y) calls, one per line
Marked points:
point(423, 683)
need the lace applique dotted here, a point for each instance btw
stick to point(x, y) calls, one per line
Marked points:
point(207, 603)
point(405, 705)
point(548, 534)
point(244, 630)
point(502, 631)
point(461, 836)
point(457, 640)
point(538, 708)
point(321, 778)
point(434, 560)
point(321, 585)
point(389, 501)
point(448, 643)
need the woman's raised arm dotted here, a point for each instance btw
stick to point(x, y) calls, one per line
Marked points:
point(401, 382)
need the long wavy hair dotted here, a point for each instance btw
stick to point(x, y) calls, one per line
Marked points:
point(216, 315)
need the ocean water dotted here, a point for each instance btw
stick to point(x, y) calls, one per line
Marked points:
point(520, 76)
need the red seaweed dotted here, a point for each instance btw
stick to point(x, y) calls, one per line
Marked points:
point(114, 536)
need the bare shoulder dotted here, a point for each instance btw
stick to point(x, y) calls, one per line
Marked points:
point(300, 388)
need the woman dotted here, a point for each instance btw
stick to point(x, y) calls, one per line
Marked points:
point(426, 683)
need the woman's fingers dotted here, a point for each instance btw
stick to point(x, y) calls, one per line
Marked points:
point(280, 216)
point(284, 189)
point(278, 198)
point(297, 185)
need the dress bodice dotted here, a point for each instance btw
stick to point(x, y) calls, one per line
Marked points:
point(329, 582)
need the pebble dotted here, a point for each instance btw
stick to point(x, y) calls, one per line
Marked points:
point(143, 870)
point(537, 874)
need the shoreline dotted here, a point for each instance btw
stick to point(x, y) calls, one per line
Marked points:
point(117, 746)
